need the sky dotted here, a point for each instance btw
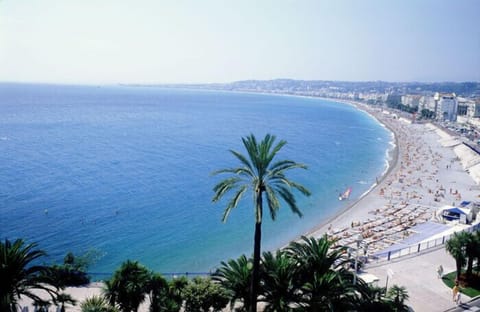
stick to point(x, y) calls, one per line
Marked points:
point(190, 41)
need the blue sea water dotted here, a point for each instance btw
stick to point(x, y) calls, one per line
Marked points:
point(127, 170)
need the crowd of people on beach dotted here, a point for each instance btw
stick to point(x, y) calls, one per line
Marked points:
point(411, 194)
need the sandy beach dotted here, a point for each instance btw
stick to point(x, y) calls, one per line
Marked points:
point(423, 176)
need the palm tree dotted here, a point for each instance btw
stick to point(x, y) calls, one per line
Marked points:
point(329, 291)
point(236, 277)
point(260, 175)
point(62, 299)
point(371, 298)
point(203, 295)
point(279, 288)
point(456, 246)
point(326, 284)
point(476, 253)
point(158, 291)
point(398, 295)
point(176, 289)
point(472, 250)
point(128, 286)
point(97, 304)
point(317, 255)
point(18, 276)
point(165, 296)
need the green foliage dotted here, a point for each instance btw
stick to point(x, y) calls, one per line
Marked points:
point(63, 299)
point(176, 287)
point(472, 250)
point(310, 275)
point(236, 277)
point(279, 281)
point(455, 247)
point(65, 277)
point(166, 296)
point(202, 294)
point(398, 295)
point(464, 248)
point(427, 114)
point(318, 255)
point(472, 289)
point(371, 298)
point(19, 276)
point(73, 271)
point(260, 175)
point(97, 304)
point(128, 286)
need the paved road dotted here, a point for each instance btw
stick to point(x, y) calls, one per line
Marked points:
point(418, 274)
point(473, 305)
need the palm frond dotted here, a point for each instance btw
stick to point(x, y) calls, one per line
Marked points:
point(252, 148)
point(234, 201)
point(284, 165)
point(243, 160)
point(288, 197)
point(272, 201)
point(225, 186)
point(276, 149)
point(300, 188)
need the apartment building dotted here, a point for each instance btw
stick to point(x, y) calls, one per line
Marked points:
point(446, 106)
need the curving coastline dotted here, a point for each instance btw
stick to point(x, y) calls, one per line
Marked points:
point(342, 217)
point(422, 177)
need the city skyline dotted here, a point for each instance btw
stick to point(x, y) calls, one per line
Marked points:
point(189, 42)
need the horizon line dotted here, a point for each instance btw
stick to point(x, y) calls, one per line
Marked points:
point(231, 82)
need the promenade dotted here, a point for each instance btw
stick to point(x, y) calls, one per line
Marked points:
point(426, 174)
point(418, 274)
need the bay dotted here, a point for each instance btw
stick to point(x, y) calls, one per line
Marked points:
point(127, 170)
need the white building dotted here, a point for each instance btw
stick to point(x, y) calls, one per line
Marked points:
point(468, 108)
point(427, 102)
point(446, 106)
point(411, 100)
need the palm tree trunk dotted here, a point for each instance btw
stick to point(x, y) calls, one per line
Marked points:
point(256, 267)
point(469, 267)
point(459, 268)
point(256, 253)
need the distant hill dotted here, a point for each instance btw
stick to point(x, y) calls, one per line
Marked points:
point(467, 89)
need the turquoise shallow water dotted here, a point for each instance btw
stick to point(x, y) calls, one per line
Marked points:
point(127, 170)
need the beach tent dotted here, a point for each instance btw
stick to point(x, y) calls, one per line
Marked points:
point(453, 214)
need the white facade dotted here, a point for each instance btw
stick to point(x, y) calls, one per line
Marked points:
point(468, 108)
point(446, 106)
point(411, 100)
point(426, 102)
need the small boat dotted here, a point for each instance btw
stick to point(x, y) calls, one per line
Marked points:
point(345, 195)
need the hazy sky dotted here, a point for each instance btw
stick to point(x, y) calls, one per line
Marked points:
point(112, 41)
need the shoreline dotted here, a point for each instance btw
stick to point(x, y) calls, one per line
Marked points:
point(392, 160)
point(424, 176)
